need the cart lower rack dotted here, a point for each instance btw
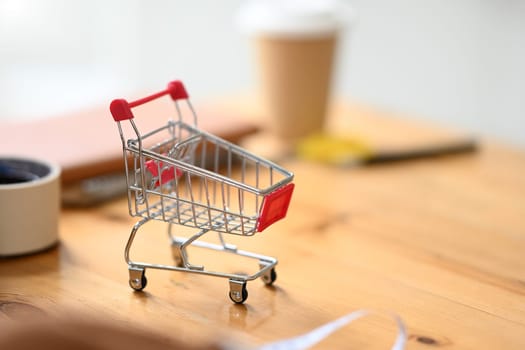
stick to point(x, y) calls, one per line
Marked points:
point(185, 176)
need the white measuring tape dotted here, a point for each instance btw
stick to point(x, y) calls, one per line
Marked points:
point(307, 340)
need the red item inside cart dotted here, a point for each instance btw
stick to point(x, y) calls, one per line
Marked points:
point(167, 173)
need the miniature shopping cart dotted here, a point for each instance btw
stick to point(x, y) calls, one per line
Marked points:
point(185, 176)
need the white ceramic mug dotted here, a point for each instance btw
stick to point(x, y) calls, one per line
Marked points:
point(29, 205)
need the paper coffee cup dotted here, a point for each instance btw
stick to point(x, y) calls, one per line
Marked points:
point(295, 46)
point(295, 77)
point(29, 205)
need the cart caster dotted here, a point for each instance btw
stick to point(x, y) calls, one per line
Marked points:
point(177, 254)
point(238, 292)
point(269, 277)
point(137, 279)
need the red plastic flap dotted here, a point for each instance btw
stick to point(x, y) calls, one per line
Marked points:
point(274, 206)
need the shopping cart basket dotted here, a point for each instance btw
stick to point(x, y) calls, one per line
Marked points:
point(185, 176)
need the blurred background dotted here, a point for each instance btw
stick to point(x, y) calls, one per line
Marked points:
point(459, 63)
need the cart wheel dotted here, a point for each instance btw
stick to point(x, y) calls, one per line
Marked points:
point(138, 284)
point(239, 297)
point(178, 262)
point(269, 277)
point(177, 255)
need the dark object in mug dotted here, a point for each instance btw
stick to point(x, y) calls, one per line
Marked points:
point(13, 171)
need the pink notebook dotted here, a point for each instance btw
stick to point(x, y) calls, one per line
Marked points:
point(87, 143)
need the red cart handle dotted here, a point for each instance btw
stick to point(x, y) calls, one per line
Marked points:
point(121, 109)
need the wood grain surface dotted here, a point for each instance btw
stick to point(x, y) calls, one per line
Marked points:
point(439, 242)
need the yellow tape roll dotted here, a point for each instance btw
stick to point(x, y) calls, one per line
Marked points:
point(333, 150)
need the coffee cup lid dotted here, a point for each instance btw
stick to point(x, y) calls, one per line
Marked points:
point(294, 18)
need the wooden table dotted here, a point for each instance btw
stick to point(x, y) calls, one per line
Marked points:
point(440, 242)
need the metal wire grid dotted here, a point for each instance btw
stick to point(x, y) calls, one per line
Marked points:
point(203, 190)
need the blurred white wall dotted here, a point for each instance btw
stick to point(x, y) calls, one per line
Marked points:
point(461, 63)
point(458, 62)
